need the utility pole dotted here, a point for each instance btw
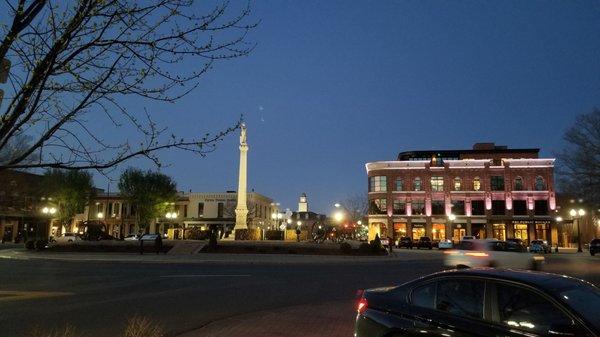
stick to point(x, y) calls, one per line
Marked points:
point(4, 69)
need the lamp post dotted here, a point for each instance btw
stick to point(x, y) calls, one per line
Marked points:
point(451, 218)
point(576, 215)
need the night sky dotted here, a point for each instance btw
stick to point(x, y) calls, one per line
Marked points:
point(335, 84)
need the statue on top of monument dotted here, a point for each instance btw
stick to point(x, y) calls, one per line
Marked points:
point(243, 135)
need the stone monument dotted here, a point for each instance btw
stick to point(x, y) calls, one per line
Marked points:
point(241, 210)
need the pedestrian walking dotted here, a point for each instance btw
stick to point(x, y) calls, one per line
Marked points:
point(141, 246)
point(390, 244)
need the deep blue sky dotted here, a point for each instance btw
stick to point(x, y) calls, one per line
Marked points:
point(335, 84)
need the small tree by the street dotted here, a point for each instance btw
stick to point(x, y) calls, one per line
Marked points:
point(76, 65)
point(70, 191)
point(579, 162)
point(150, 193)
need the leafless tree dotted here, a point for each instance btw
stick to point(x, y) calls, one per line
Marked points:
point(355, 207)
point(229, 210)
point(77, 62)
point(579, 162)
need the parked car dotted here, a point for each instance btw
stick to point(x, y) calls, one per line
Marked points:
point(490, 253)
point(468, 237)
point(68, 238)
point(445, 244)
point(516, 245)
point(539, 246)
point(131, 237)
point(405, 242)
point(149, 239)
point(594, 247)
point(424, 242)
point(481, 302)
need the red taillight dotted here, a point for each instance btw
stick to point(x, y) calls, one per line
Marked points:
point(362, 305)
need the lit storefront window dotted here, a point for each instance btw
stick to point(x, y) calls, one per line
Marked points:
point(438, 232)
point(418, 231)
point(521, 231)
point(499, 231)
point(399, 230)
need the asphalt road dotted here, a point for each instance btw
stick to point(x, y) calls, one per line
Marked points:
point(97, 297)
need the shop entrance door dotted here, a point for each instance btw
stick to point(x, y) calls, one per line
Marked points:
point(457, 234)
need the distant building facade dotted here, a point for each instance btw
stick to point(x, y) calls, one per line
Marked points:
point(304, 218)
point(21, 204)
point(487, 191)
point(193, 209)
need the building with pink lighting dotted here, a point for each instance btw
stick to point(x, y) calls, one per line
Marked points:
point(488, 191)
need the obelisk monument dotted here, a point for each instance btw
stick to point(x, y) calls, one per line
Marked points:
point(241, 210)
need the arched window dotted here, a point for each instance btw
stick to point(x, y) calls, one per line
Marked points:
point(476, 184)
point(518, 184)
point(399, 184)
point(540, 185)
point(417, 184)
point(457, 184)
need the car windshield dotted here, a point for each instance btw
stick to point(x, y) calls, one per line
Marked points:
point(584, 299)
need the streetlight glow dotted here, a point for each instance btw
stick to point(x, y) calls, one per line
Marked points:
point(337, 205)
point(359, 222)
point(559, 218)
point(339, 216)
point(581, 212)
point(573, 212)
point(45, 210)
point(100, 215)
point(451, 217)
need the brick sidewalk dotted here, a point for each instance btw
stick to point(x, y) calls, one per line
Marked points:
point(330, 319)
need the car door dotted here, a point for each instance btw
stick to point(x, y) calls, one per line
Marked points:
point(446, 307)
point(519, 310)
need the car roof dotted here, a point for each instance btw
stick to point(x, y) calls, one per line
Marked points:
point(542, 280)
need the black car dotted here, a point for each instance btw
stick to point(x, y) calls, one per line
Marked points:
point(595, 247)
point(516, 245)
point(481, 302)
point(424, 242)
point(406, 242)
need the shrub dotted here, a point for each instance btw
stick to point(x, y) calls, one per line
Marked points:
point(30, 244)
point(345, 248)
point(364, 248)
point(248, 234)
point(274, 235)
point(142, 327)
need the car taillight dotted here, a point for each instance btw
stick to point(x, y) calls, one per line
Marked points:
point(362, 305)
point(477, 254)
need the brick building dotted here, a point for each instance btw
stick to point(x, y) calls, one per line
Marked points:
point(488, 191)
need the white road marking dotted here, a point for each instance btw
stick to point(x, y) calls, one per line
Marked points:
point(206, 275)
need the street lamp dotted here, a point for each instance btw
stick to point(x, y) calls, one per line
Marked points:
point(49, 210)
point(337, 205)
point(451, 217)
point(576, 215)
point(100, 215)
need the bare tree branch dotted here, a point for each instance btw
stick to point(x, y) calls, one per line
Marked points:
point(74, 63)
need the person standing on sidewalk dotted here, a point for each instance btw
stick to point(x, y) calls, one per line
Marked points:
point(158, 244)
point(390, 244)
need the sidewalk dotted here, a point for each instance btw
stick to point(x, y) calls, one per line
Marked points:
point(331, 319)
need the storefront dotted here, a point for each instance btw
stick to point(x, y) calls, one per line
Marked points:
point(521, 232)
point(458, 231)
point(499, 231)
point(542, 231)
point(399, 230)
point(438, 231)
point(418, 231)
